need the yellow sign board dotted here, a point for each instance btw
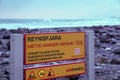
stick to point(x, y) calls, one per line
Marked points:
point(56, 71)
point(47, 47)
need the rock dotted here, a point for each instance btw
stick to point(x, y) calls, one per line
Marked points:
point(1, 53)
point(103, 60)
point(117, 78)
point(5, 63)
point(3, 79)
point(1, 36)
point(113, 41)
point(3, 47)
point(20, 31)
point(117, 51)
point(60, 30)
point(13, 31)
point(5, 55)
point(7, 36)
point(8, 78)
point(97, 45)
point(6, 71)
point(114, 61)
point(104, 39)
point(108, 48)
point(2, 30)
point(73, 77)
point(97, 35)
point(117, 27)
point(112, 35)
point(1, 42)
point(78, 29)
point(97, 29)
point(8, 45)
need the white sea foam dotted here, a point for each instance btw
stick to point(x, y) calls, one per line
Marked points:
point(49, 23)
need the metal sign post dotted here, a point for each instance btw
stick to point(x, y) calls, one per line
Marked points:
point(16, 58)
point(90, 55)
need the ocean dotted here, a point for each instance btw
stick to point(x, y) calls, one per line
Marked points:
point(55, 23)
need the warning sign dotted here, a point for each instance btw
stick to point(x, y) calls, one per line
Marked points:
point(51, 73)
point(53, 47)
point(41, 73)
point(56, 71)
point(32, 76)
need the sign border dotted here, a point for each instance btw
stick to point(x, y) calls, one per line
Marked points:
point(24, 46)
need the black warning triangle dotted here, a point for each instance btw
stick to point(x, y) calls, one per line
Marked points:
point(51, 72)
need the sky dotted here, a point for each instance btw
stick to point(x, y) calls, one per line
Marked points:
point(60, 9)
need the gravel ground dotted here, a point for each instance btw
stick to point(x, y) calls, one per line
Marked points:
point(107, 50)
